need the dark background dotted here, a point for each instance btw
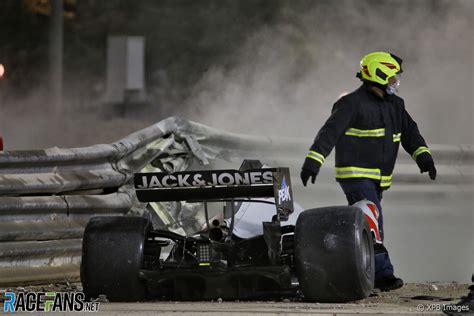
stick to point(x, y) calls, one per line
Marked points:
point(187, 37)
point(246, 66)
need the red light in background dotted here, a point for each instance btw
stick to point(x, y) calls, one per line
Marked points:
point(2, 70)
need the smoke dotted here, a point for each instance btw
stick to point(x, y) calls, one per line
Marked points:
point(286, 76)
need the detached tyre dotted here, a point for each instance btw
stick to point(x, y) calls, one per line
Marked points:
point(112, 256)
point(334, 254)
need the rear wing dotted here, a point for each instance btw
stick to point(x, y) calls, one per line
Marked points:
point(218, 185)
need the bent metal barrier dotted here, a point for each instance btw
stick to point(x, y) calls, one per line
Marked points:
point(47, 196)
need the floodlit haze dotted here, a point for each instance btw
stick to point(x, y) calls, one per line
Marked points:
point(289, 74)
point(282, 78)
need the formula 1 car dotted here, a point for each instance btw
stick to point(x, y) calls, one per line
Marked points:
point(321, 254)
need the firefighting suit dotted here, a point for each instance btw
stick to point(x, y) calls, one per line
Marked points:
point(366, 130)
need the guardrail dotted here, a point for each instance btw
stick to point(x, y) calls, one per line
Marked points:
point(47, 196)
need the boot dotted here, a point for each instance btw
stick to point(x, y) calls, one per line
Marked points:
point(388, 283)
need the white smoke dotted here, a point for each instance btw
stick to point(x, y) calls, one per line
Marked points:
point(287, 76)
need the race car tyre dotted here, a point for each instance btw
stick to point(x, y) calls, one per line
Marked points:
point(112, 255)
point(334, 254)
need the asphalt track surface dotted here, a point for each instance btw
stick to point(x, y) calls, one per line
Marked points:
point(401, 302)
point(412, 299)
point(249, 308)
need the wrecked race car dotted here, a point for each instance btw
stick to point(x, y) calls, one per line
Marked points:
point(260, 247)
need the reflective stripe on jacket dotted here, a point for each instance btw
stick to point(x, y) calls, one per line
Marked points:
point(366, 130)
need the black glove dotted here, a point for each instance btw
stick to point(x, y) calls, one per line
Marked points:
point(306, 174)
point(426, 164)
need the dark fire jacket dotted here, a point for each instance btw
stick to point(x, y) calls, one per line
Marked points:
point(367, 130)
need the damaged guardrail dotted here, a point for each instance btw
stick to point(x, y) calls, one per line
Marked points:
point(47, 196)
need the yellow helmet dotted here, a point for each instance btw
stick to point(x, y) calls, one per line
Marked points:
point(379, 67)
